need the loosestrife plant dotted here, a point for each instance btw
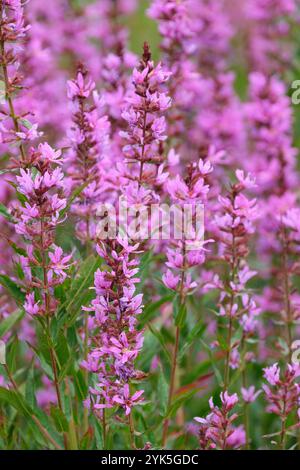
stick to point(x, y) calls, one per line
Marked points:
point(149, 225)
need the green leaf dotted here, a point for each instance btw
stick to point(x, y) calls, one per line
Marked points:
point(161, 340)
point(62, 349)
point(213, 363)
point(222, 342)
point(98, 433)
point(59, 419)
point(44, 362)
point(43, 343)
point(179, 401)
point(19, 271)
point(80, 386)
point(73, 444)
point(163, 392)
point(12, 353)
point(80, 292)
point(196, 333)
point(26, 123)
point(66, 369)
point(12, 170)
point(12, 288)
point(72, 198)
point(144, 268)
point(152, 308)
point(30, 387)
point(4, 212)
point(180, 315)
point(16, 400)
point(8, 322)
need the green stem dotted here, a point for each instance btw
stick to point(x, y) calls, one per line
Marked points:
point(172, 385)
point(287, 295)
point(33, 417)
point(246, 405)
point(7, 86)
point(174, 356)
point(131, 429)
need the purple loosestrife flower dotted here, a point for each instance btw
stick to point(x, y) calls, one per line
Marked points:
point(188, 247)
point(115, 341)
point(7, 306)
point(283, 395)
point(216, 431)
point(187, 252)
point(235, 225)
point(270, 120)
point(146, 128)
point(190, 28)
point(249, 394)
point(14, 127)
point(89, 136)
point(270, 25)
point(105, 26)
point(273, 159)
point(287, 273)
point(219, 120)
point(213, 36)
point(42, 185)
point(111, 37)
point(178, 27)
point(218, 104)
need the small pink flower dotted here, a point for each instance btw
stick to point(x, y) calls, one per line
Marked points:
point(31, 307)
point(272, 374)
point(171, 280)
point(126, 401)
point(80, 87)
point(249, 394)
point(229, 401)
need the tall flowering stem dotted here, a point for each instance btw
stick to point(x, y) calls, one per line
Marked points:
point(115, 340)
point(289, 236)
point(235, 225)
point(15, 128)
point(188, 251)
point(270, 23)
point(177, 27)
point(45, 266)
point(273, 160)
point(147, 126)
point(216, 431)
point(89, 137)
point(40, 184)
point(282, 394)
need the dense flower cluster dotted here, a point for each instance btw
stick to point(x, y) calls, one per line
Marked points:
point(146, 128)
point(42, 186)
point(149, 246)
point(282, 394)
point(89, 137)
point(116, 342)
point(15, 126)
point(269, 48)
point(216, 430)
point(189, 250)
point(235, 225)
